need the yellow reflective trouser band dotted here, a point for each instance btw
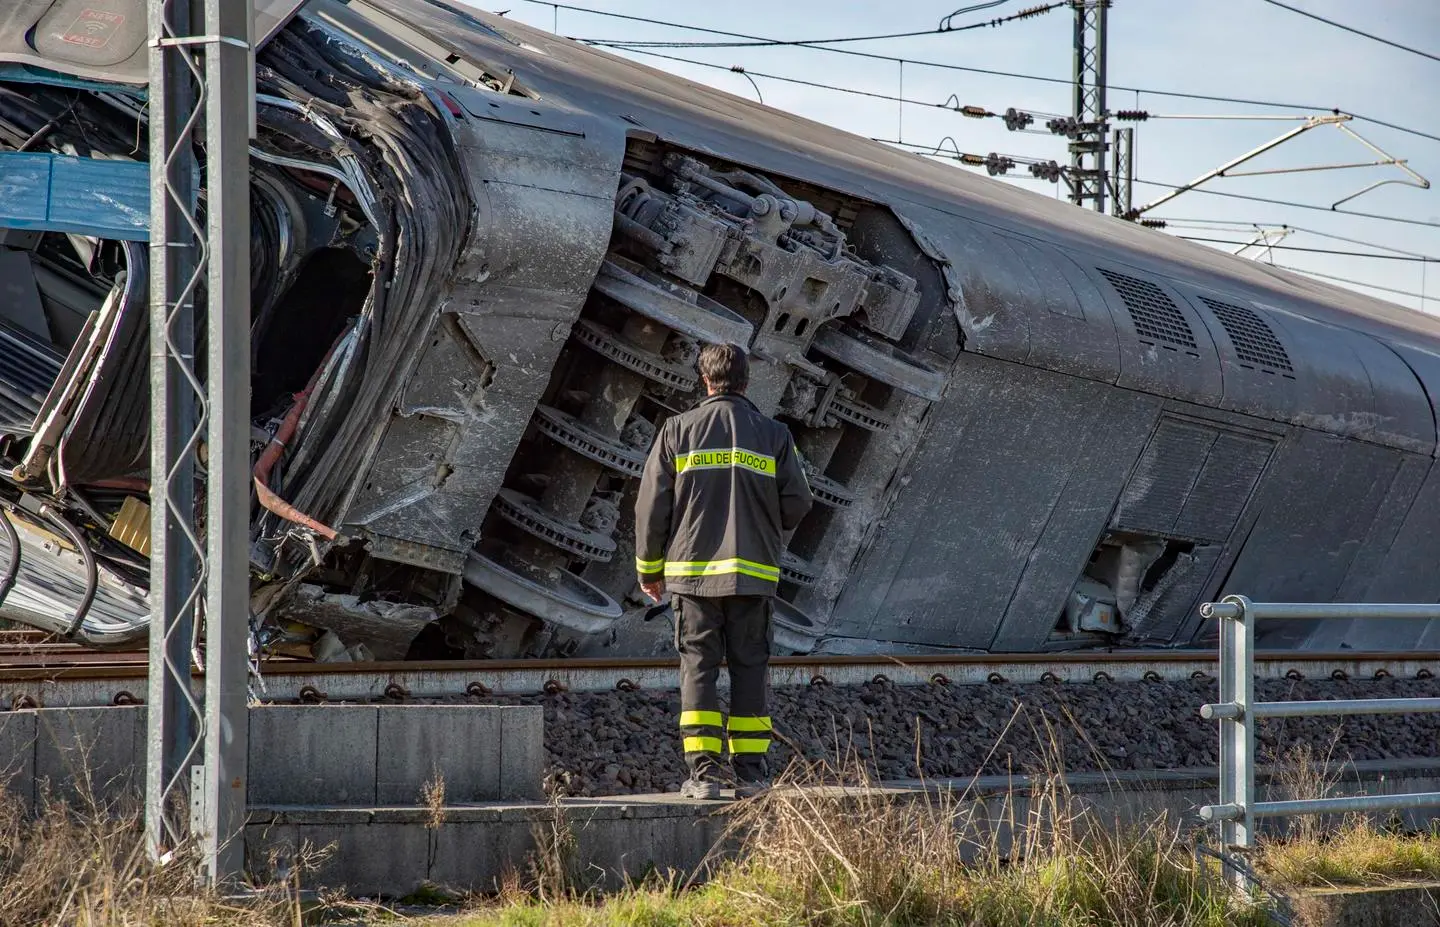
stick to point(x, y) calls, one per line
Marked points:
point(700, 719)
point(722, 568)
point(723, 458)
point(702, 744)
point(750, 724)
point(649, 566)
point(749, 744)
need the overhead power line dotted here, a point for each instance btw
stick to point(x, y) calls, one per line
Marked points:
point(1351, 280)
point(1352, 29)
point(944, 28)
point(1178, 94)
point(1382, 257)
point(1293, 204)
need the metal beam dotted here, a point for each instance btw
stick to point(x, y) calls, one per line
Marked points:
point(1088, 170)
point(176, 562)
point(229, 115)
point(201, 80)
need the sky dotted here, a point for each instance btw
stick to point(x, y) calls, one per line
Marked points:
point(1237, 48)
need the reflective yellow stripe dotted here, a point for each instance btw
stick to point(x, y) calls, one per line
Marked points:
point(702, 744)
point(749, 744)
point(700, 719)
point(649, 566)
point(750, 724)
point(724, 458)
point(722, 568)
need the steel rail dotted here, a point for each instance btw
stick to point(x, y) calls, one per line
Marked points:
point(98, 678)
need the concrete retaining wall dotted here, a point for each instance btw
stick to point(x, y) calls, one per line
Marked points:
point(1407, 906)
point(391, 851)
point(336, 755)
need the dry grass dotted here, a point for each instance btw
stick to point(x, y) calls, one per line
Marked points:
point(85, 865)
point(1360, 853)
point(814, 852)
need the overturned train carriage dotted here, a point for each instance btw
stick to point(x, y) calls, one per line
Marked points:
point(483, 259)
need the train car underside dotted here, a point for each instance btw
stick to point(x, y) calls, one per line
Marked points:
point(471, 309)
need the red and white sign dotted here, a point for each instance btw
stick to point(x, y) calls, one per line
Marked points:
point(93, 28)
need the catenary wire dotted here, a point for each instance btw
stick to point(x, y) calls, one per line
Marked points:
point(1242, 226)
point(633, 49)
point(773, 43)
point(1291, 203)
point(934, 151)
point(1258, 244)
point(623, 45)
point(819, 85)
point(1352, 29)
point(1351, 280)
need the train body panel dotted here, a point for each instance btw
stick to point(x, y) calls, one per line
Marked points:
point(492, 254)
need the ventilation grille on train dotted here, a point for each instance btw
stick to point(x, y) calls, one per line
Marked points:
point(1155, 315)
point(1252, 337)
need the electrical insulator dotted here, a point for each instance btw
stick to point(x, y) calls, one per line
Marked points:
point(973, 160)
point(1068, 126)
point(1015, 120)
point(975, 112)
point(1132, 115)
point(1033, 11)
point(1153, 223)
point(998, 164)
point(1047, 170)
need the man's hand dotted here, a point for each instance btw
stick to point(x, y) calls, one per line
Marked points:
point(654, 590)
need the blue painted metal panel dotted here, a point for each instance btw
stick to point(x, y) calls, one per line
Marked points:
point(29, 74)
point(87, 196)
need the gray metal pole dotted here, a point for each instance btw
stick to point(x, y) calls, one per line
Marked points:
point(1237, 734)
point(176, 561)
point(230, 82)
point(1088, 146)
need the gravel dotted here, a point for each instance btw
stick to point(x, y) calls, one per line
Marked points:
point(615, 743)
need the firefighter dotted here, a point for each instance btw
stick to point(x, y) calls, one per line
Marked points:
point(721, 492)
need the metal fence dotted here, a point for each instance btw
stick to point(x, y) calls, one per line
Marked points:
point(1238, 713)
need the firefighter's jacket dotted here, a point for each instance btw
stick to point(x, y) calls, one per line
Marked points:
point(722, 485)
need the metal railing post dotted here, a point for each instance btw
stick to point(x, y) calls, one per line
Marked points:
point(1237, 731)
point(1238, 712)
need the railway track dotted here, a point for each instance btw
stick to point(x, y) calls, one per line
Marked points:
point(46, 673)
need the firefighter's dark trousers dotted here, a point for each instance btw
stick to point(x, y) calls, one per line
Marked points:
point(735, 629)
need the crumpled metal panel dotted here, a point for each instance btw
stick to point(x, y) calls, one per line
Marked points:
point(544, 208)
point(109, 434)
point(988, 478)
point(1104, 443)
point(87, 196)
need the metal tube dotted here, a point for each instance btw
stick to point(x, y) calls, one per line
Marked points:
point(1220, 712)
point(1332, 707)
point(1360, 611)
point(1221, 812)
point(1237, 734)
point(1220, 610)
point(1280, 809)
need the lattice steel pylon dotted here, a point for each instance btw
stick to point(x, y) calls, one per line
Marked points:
point(201, 73)
point(1091, 141)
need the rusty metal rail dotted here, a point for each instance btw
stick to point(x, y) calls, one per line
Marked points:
point(83, 678)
